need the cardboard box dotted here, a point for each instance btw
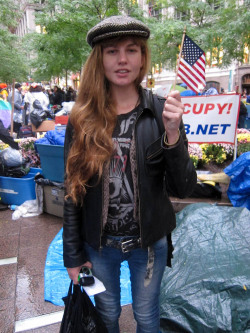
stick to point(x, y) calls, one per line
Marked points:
point(46, 125)
point(53, 199)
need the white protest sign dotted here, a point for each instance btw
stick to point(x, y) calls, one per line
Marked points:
point(211, 119)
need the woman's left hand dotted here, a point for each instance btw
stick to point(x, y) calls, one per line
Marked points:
point(172, 115)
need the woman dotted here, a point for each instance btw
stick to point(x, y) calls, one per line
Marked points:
point(123, 148)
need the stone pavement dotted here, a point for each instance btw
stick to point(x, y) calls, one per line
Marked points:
point(23, 249)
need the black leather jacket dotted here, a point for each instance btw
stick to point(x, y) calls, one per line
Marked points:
point(158, 169)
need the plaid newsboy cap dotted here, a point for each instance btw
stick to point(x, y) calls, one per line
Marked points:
point(117, 26)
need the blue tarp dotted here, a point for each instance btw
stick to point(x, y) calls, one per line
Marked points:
point(188, 93)
point(53, 137)
point(239, 188)
point(56, 280)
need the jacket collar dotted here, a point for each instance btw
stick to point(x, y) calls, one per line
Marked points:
point(147, 100)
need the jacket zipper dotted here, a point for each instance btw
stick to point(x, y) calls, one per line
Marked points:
point(139, 202)
point(154, 154)
point(101, 221)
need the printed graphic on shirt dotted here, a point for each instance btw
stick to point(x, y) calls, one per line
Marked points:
point(121, 201)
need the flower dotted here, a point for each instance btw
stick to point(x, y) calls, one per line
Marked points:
point(29, 152)
point(243, 138)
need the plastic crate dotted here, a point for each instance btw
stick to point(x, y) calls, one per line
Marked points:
point(52, 161)
point(15, 191)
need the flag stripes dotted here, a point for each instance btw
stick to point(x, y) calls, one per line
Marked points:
point(192, 65)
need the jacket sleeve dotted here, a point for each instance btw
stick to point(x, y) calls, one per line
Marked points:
point(181, 176)
point(73, 242)
point(6, 137)
point(180, 172)
point(17, 101)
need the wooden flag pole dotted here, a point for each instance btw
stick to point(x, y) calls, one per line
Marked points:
point(12, 107)
point(178, 61)
point(235, 147)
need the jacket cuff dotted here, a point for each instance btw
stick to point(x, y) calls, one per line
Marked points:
point(167, 147)
point(70, 262)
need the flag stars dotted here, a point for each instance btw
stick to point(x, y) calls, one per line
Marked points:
point(191, 52)
point(192, 65)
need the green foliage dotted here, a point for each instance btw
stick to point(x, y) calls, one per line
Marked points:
point(13, 64)
point(9, 13)
point(164, 42)
point(195, 160)
point(243, 148)
point(213, 153)
point(63, 47)
point(215, 25)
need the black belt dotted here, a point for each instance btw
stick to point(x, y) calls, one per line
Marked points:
point(125, 244)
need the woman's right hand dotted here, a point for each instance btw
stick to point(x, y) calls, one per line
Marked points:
point(74, 272)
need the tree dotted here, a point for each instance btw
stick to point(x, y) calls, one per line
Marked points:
point(13, 62)
point(219, 27)
point(216, 26)
point(65, 23)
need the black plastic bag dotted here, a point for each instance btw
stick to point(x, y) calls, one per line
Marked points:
point(37, 104)
point(12, 164)
point(80, 315)
point(37, 116)
point(14, 172)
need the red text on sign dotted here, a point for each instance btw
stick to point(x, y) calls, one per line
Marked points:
point(206, 107)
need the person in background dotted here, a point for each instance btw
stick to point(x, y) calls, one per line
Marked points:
point(242, 115)
point(18, 107)
point(63, 93)
point(34, 94)
point(4, 91)
point(58, 96)
point(244, 97)
point(50, 94)
point(124, 147)
point(248, 99)
point(70, 95)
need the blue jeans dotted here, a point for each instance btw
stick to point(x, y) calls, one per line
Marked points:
point(106, 267)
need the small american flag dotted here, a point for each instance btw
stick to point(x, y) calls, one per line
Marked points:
point(192, 65)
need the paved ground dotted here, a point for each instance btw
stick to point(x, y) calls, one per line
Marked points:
point(23, 248)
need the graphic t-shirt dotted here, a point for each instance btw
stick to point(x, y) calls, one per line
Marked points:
point(120, 220)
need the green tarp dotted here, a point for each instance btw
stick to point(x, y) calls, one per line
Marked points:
point(208, 287)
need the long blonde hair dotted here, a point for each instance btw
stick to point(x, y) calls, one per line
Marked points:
point(93, 118)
